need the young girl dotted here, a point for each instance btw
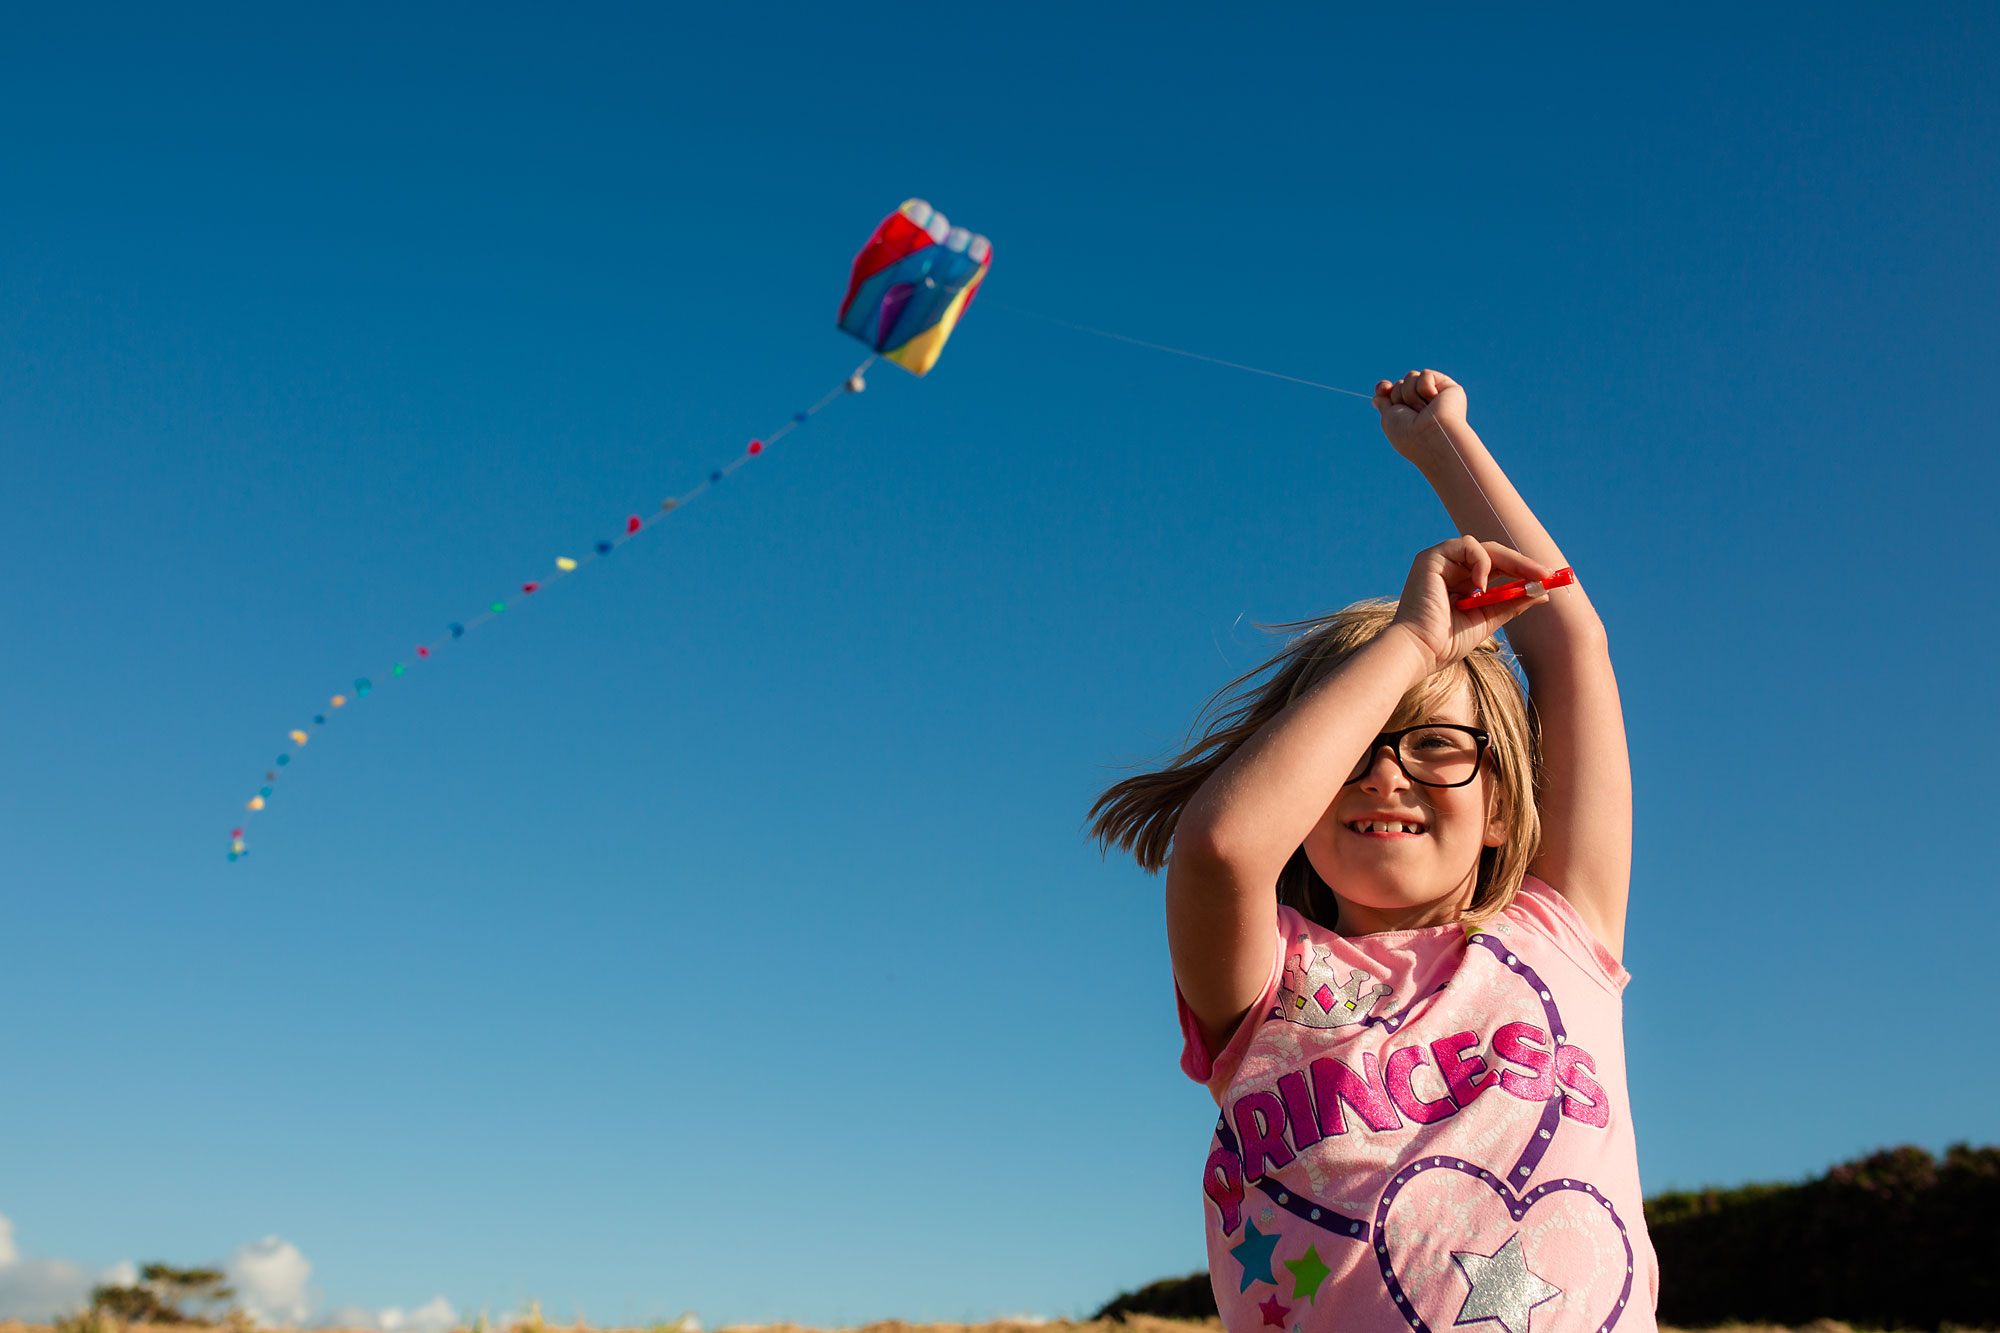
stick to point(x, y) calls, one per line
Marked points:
point(1396, 913)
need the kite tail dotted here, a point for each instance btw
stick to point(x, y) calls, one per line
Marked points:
point(565, 565)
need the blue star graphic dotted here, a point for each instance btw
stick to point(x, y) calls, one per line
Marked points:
point(1255, 1256)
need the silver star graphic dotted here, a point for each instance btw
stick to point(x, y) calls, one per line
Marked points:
point(1503, 1287)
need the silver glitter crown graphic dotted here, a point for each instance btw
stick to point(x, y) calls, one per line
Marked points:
point(1311, 997)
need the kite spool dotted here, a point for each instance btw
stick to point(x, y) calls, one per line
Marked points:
point(1508, 592)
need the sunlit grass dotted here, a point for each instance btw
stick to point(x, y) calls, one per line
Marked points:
point(533, 1322)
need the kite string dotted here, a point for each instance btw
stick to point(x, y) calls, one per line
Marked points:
point(1469, 476)
point(1180, 351)
point(1272, 374)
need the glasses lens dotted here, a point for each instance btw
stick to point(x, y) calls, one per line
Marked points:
point(1440, 755)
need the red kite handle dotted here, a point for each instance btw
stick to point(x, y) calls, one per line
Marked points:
point(1508, 592)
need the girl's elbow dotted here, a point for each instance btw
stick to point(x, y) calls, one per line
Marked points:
point(1213, 853)
point(1582, 642)
point(1198, 845)
point(1582, 629)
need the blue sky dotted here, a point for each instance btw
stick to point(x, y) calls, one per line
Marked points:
point(718, 931)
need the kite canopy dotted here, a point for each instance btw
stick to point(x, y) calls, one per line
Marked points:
point(911, 282)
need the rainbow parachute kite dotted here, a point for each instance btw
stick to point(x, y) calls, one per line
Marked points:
point(911, 282)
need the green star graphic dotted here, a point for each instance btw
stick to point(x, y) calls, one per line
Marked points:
point(1307, 1274)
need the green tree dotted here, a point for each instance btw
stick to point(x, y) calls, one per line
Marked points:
point(162, 1295)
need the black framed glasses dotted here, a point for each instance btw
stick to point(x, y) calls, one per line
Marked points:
point(1436, 754)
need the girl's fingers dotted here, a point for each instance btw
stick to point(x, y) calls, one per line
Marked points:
point(1461, 558)
point(1479, 560)
point(1511, 560)
point(1416, 389)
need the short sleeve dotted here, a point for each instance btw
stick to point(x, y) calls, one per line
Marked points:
point(1216, 1068)
point(1540, 908)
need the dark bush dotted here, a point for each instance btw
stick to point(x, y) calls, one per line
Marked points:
point(1187, 1297)
point(1895, 1240)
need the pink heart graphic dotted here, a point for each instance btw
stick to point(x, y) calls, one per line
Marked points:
point(1575, 1233)
point(1470, 1253)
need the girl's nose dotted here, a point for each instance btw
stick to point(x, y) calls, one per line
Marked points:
point(1384, 773)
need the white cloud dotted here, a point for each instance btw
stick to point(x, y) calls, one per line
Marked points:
point(433, 1316)
point(40, 1290)
point(272, 1280)
point(270, 1277)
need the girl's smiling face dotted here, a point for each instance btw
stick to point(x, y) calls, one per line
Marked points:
point(1399, 880)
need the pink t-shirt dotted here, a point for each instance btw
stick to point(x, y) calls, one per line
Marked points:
point(1423, 1130)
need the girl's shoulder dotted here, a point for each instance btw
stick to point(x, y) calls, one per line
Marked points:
point(1321, 979)
point(1538, 911)
point(1542, 911)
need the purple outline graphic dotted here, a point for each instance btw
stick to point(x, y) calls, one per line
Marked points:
point(1545, 1132)
point(1321, 1215)
point(1517, 1207)
point(1375, 1235)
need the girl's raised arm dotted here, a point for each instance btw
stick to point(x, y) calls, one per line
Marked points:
point(1245, 822)
point(1586, 796)
point(1251, 814)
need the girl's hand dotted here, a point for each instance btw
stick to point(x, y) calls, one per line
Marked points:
point(1451, 570)
point(1417, 409)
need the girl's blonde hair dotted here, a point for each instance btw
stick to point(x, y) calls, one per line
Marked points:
point(1138, 815)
